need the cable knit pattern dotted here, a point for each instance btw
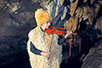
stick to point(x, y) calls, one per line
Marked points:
point(42, 41)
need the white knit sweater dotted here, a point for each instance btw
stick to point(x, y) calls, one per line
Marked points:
point(43, 41)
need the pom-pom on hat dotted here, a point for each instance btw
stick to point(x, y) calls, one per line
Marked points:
point(41, 16)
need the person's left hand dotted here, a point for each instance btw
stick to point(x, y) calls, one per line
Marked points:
point(46, 54)
point(68, 33)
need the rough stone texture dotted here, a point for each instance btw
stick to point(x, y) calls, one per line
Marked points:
point(94, 57)
point(71, 24)
point(1, 4)
point(100, 1)
point(16, 20)
point(98, 27)
point(85, 11)
point(97, 7)
point(73, 7)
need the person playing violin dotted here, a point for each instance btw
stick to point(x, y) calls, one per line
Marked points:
point(44, 50)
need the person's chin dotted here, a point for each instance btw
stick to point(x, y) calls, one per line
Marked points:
point(47, 27)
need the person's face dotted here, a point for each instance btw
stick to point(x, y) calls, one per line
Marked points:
point(46, 24)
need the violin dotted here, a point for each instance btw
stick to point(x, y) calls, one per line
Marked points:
point(58, 31)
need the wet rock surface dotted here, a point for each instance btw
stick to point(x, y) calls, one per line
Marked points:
point(94, 57)
point(16, 20)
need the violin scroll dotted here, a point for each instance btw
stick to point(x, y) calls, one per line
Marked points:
point(74, 33)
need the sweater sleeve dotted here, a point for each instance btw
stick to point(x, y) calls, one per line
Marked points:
point(34, 49)
point(61, 40)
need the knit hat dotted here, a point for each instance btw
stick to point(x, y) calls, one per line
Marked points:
point(41, 16)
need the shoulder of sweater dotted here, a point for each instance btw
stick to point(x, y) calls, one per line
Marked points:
point(34, 31)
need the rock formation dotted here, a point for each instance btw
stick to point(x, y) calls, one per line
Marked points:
point(16, 20)
point(94, 57)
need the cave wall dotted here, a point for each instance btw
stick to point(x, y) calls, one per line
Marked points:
point(17, 19)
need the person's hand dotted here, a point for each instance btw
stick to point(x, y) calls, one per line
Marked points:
point(68, 33)
point(46, 54)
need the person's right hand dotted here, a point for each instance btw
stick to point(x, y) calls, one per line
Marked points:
point(46, 54)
